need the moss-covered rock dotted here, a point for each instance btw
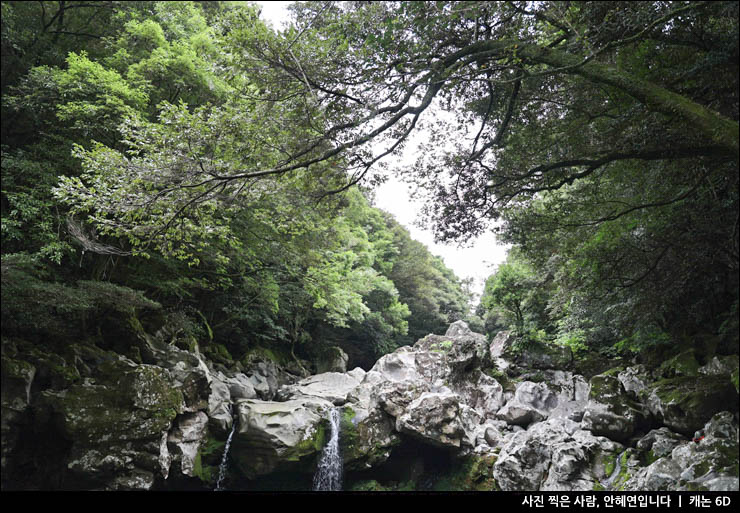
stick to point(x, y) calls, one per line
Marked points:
point(17, 378)
point(470, 474)
point(116, 422)
point(538, 355)
point(686, 403)
point(683, 364)
point(611, 411)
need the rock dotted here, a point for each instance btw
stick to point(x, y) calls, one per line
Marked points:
point(525, 458)
point(331, 386)
point(501, 343)
point(718, 366)
point(436, 419)
point(659, 476)
point(464, 350)
point(333, 359)
point(367, 437)
point(266, 376)
point(686, 403)
point(709, 464)
point(184, 441)
point(116, 423)
point(610, 411)
point(683, 364)
point(531, 403)
point(17, 378)
point(633, 379)
point(279, 435)
point(481, 392)
point(219, 405)
point(659, 443)
point(188, 371)
point(543, 356)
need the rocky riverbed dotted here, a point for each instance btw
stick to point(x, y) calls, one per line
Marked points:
point(452, 412)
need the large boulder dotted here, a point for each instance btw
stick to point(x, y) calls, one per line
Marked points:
point(531, 403)
point(279, 435)
point(439, 419)
point(331, 386)
point(611, 411)
point(552, 455)
point(708, 463)
point(187, 370)
point(686, 403)
point(185, 440)
point(332, 359)
point(117, 422)
point(226, 388)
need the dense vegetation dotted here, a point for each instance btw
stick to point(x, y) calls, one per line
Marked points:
point(185, 164)
point(96, 91)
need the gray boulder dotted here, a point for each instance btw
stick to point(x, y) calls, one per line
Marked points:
point(439, 419)
point(531, 403)
point(331, 386)
point(184, 441)
point(279, 435)
point(611, 411)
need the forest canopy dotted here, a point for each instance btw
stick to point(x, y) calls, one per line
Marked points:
point(192, 143)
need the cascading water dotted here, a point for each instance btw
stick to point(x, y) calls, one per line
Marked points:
point(224, 460)
point(328, 475)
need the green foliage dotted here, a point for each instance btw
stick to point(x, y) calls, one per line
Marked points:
point(519, 295)
point(215, 158)
point(34, 303)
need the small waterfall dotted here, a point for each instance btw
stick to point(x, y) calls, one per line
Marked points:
point(328, 475)
point(224, 459)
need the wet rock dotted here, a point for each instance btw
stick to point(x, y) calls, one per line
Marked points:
point(279, 435)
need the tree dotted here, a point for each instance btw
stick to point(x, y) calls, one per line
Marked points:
point(600, 80)
point(518, 294)
point(605, 132)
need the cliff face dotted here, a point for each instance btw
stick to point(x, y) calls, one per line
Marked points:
point(452, 412)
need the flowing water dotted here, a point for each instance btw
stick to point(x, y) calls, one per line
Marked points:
point(328, 475)
point(224, 460)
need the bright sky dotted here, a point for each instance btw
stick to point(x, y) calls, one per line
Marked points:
point(477, 260)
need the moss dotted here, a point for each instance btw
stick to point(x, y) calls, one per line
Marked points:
point(369, 485)
point(16, 369)
point(208, 460)
point(474, 473)
point(683, 364)
point(649, 458)
point(265, 353)
point(311, 445)
point(610, 463)
point(592, 364)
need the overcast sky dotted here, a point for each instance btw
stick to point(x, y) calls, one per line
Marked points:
point(476, 261)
